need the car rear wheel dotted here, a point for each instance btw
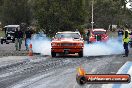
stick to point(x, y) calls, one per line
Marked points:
point(1, 41)
point(53, 54)
point(80, 54)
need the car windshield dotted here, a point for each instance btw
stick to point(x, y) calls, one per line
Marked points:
point(98, 32)
point(10, 29)
point(68, 35)
point(10, 34)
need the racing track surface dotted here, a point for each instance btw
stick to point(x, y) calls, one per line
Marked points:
point(59, 72)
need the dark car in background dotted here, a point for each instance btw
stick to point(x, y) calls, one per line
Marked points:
point(9, 34)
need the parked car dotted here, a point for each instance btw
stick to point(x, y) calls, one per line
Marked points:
point(9, 34)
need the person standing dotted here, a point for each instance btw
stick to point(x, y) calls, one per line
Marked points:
point(126, 39)
point(120, 34)
point(28, 35)
point(18, 39)
point(88, 35)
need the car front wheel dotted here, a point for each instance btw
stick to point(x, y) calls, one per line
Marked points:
point(80, 54)
point(1, 41)
point(53, 54)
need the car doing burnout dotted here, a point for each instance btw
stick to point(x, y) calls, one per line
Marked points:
point(67, 43)
point(98, 35)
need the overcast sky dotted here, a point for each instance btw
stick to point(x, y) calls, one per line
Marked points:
point(128, 5)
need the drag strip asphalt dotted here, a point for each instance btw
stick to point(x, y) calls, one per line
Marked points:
point(59, 72)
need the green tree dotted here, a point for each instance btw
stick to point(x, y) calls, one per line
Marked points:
point(15, 12)
point(59, 15)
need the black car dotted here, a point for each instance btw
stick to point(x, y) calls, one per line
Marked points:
point(9, 34)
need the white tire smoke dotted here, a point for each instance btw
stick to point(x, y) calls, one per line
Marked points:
point(42, 45)
point(112, 46)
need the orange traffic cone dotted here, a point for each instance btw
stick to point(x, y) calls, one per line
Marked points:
point(30, 50)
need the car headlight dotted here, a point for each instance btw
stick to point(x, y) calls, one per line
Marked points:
point(80, 44)
point(55, 44)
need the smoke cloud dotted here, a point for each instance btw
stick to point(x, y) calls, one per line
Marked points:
point(112, 46)
point(42, 44)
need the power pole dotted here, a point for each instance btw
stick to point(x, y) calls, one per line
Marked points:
point(92, 14)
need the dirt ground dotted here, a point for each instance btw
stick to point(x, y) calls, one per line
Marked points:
point(9, 50)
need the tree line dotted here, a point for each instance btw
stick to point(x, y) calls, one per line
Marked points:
point(64, 15)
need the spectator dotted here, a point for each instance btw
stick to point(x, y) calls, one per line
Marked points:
point(28, 35)
point(120, 34)
point(18, 39)
point(126, 39)
point(88, 35)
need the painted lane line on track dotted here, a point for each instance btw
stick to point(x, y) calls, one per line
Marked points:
point(125, 69)
point(130, 84)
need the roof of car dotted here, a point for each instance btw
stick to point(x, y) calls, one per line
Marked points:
point(12, 26)
point(99, 29)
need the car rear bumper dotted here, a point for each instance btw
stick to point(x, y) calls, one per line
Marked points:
point(69, 50)
point(103, 40)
